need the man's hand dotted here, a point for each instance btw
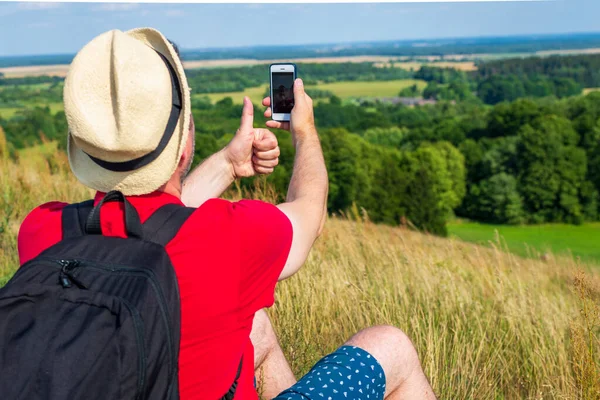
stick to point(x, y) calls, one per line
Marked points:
point(252, 151)
point(302, 116)
point(306, 200)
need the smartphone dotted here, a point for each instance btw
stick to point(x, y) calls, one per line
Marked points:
point(282, 90)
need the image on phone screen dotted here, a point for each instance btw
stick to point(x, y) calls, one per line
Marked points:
point(283, 92)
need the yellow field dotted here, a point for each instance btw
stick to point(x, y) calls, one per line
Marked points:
point(590, 90)
point(487, 324)
point(415, 65)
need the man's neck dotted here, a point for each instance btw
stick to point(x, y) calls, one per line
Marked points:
point(172, 187)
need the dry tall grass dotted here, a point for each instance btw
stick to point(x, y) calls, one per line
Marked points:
point(487, 324)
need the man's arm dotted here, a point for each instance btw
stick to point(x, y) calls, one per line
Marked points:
point(306, 201)
point(209, 179)
point(250, 152)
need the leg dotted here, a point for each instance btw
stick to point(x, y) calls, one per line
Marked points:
point(273, 373)
point(395, 352)
point(376, 363)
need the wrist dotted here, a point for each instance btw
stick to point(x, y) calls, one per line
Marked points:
point(227, 162)
point(299, 136)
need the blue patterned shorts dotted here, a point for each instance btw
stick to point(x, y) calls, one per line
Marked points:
point(348, 373)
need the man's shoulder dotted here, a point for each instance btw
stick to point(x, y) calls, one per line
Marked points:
point(216, 216)
point(43, 213)
point(40, 229)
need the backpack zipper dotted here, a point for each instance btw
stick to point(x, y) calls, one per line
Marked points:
point(66, 278)
point(121, 269)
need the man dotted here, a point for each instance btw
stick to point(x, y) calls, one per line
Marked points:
point(122, 89)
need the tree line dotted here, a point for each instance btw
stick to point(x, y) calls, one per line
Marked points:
point(530, 160)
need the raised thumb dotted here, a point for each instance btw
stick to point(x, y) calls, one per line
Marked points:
point(247, 121)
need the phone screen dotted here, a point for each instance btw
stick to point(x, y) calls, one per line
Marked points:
point(283, 92)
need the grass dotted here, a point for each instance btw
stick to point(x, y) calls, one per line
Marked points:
point(487, 324)
point(533, 240)
point(346, 90)
point(590, 90)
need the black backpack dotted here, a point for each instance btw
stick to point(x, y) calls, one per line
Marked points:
point(96, 317)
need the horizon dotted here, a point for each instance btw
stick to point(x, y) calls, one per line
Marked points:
point(208, 49)
point(63, 28)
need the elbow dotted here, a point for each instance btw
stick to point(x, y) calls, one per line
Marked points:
point(322, 222)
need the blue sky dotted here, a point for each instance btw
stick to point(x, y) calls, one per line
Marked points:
point(50, 28)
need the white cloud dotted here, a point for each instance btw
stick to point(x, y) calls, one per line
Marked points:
point(38, 6)
point(174, 13)
point(116, 7)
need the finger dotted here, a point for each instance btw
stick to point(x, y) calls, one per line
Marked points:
point(268, 112)
point(268, 155)
point(299, 89)
point(266, 102)
point(264, 163)
point(247, 115)
point(309, 100)
point(264, 139)
point(263, 170)
point(278, 125)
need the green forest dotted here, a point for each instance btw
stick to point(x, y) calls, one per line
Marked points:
point(514, 142)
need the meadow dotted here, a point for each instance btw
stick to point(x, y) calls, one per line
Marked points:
point(9, 112)
point(343, 90)
point(534, 240)
point(487, 324)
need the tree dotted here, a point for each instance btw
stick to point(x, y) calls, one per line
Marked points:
point(389, 137)
point(410, 91)
point(551, 170)
point(500, 88)
point(505, 119)
point(455, 166)
point(496, 200)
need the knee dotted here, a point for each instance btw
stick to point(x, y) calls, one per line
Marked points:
point(392, 348)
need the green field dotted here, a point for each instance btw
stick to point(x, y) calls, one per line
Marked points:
point(343, 90)
point(580, 241)
point(32, 86)
point(255, 94)
point(8, 112)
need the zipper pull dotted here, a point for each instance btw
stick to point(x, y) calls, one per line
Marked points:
point(66, 278)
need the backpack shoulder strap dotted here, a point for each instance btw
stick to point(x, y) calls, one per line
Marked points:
point(232, 389)
point(74, 217)
point(162, 226)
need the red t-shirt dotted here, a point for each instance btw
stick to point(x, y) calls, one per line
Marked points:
point(227, 258)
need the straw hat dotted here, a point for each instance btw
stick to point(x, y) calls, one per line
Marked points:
point(127, 104)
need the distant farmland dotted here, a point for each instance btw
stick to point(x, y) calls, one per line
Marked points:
point(399, 62)
point(343, 90)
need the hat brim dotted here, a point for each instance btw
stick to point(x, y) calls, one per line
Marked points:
point(152, 176)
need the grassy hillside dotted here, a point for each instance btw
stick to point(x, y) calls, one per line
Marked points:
point(533, 240)
point(487, 324)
